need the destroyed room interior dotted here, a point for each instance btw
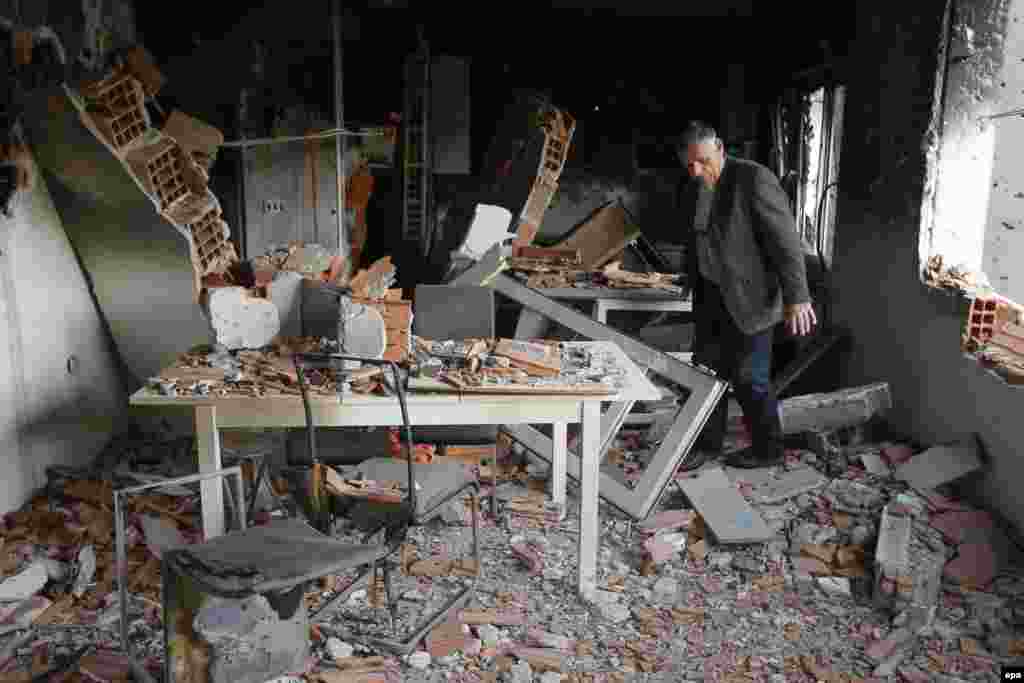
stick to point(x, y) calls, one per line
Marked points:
point(584, 342)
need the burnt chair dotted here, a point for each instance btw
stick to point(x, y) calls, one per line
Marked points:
point(429, 488)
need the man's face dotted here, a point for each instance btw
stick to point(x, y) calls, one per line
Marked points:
point(704, 160)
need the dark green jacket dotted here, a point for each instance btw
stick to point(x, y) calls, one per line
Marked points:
point(760, 251)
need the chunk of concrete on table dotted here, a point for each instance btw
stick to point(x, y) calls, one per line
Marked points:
point(241, 320)
point(285, 291)
point(830, 411)
point(729, 517)
point(361, 329)
point(941, 464)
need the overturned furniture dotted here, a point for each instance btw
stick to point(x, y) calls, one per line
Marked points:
point(234, 608)
point(428, 489)
point(704, 391)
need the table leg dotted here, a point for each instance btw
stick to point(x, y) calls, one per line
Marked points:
point(559, 436)
point(211, 490)
point(590, 471)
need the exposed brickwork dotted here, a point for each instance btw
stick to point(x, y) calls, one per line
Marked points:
point(213, 251)
point(173, 180)
point(118, 107)
point(993, 320)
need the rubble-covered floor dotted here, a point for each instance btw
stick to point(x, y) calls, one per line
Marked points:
point(804, 607)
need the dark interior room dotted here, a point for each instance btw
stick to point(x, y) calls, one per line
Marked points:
point(386, 340)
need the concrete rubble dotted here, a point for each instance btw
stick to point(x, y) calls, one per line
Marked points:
point(863, 578)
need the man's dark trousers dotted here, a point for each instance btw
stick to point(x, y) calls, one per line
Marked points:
point(746, 362)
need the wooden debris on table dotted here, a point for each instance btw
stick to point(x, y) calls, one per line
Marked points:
point(624, 279)
point(550, 256)
point(536, 359)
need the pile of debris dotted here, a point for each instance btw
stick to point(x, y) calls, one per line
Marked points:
point(853, 563)
point(515, 366)
point(557, 268)
point(468, 366)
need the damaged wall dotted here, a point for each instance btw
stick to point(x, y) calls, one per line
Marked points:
point(1004, 229)
point(905, 333)
point(59, 374)
point(138, 262)
point(964, 141)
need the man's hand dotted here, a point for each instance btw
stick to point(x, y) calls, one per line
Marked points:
point(800, 318)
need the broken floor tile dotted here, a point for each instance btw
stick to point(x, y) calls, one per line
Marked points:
point(975, 565)
point(726, 513)
point(790, 485)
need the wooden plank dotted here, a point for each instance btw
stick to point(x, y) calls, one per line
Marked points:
point(542, 358)
point(726, 513)
point(602, 237)
point(567, 256)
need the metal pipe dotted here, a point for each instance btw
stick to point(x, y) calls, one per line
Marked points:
point(323, 135)
point(188, 479)
point(339, 122)
point(122, 571)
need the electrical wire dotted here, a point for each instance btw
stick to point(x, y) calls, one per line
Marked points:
point(323, 135)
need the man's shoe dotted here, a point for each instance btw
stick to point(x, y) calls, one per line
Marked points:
point(749, 459)
point(695, 459)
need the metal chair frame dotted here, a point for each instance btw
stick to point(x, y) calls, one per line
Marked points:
point(408, 515)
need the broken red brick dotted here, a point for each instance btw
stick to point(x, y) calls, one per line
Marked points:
point(529, 554)
point(974, 566)
point(669, 520)
point(956, 526)
point(660, 550)
point(445, 639)
point(897, 454)
point(540, 638)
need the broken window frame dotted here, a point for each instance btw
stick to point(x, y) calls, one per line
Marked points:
point(793, 132)
point(705, 391)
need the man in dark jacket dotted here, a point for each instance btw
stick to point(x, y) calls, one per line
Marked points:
point(746, 264)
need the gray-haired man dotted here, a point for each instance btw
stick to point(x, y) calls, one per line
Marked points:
point(746, 264)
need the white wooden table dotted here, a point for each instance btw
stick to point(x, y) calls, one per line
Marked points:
point(214, 413)
point(532, 324)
